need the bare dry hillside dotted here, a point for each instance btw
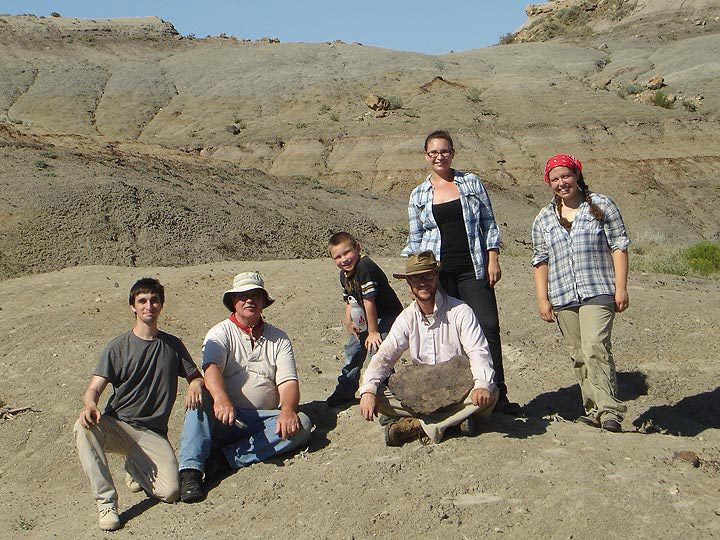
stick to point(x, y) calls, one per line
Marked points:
point(135, 88)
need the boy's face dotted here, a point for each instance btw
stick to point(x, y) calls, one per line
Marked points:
point(346, 256)
point(147, 307)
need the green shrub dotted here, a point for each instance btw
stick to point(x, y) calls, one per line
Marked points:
point(661, 100)
point(689, 105)
point(334, 117)
point(569, 15)
point(704, 257)
point(628, 89)
point(702, 266)
point(551, 29)
point(473, 95)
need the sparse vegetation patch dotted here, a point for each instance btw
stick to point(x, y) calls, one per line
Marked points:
point(661, 99)
point(507, 39)
point(473, 95)
point(652, 252)
point(704, 257)
point(394, 103)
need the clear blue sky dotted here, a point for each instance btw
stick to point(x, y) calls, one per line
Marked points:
point(429, 26)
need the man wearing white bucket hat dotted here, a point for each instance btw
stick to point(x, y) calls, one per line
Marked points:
point(249, 411)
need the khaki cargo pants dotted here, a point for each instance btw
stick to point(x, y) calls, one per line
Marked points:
point(149, 459)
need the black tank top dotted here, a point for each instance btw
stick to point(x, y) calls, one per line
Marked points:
point(454, 248)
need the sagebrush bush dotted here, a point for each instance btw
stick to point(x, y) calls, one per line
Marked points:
point(473, 95)
point(629, 89)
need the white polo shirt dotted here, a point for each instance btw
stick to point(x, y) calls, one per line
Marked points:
point(251, 374)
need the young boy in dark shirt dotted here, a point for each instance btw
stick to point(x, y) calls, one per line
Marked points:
point(143, 366)
point(363, 280)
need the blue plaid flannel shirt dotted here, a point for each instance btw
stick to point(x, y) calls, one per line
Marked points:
point(482, 231)
point(579, 261)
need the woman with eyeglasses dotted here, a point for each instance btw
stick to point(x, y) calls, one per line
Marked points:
point(580, 261)
point(450, 213)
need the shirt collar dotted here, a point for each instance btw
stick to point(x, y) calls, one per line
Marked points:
point(440, 301)
point(253, 331)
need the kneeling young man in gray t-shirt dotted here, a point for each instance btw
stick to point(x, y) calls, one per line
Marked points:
point(143, 366)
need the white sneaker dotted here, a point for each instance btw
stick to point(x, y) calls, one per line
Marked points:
point(109, 519)
point(131, 484)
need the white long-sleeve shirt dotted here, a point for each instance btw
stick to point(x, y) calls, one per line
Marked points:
point(451, 330)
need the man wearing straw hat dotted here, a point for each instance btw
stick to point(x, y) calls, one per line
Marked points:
point(249, 411)
point(433, 329)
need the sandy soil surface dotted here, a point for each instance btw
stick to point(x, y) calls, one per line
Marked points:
point(539, 476)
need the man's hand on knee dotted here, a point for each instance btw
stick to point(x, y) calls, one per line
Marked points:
point(368, 406)
point(224, 411)
point(89, 416)
point(288, 424)
point(480, 397)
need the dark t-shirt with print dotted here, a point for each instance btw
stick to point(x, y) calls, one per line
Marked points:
point(369, 281)
point(144, 377)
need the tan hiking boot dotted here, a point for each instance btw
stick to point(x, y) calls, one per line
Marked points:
point(108, 519)
point(403, 430)
point(131, 484)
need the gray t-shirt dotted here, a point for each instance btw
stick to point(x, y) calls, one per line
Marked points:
point(144, 377)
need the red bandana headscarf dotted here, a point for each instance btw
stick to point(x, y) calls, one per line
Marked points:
point(561, 160)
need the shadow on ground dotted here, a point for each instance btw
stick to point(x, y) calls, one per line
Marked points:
point(687, 418)
point(567, 402)
point(324, 419)
point(138, 508)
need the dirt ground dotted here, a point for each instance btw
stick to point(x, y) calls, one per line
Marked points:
point(539, 476)
point(127, 150)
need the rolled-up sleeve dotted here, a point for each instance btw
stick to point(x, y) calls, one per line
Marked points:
point(384, 360)
point(415, 227)
point(489, 226)
point(540, 249)
point(615, 227)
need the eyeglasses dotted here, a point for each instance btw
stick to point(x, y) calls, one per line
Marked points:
point(435, 153)
point(419, 278)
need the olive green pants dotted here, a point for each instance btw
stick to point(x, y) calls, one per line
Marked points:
point(587, 332)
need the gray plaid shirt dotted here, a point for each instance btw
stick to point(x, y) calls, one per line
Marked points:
point(482, 231)
point(580, 260)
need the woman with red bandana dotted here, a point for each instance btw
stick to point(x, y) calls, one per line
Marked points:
point(580, 262)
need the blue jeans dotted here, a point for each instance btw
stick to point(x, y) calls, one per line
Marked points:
point(355, 354)
point(242, 447)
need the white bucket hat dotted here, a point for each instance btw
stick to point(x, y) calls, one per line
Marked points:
point(246, 281)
